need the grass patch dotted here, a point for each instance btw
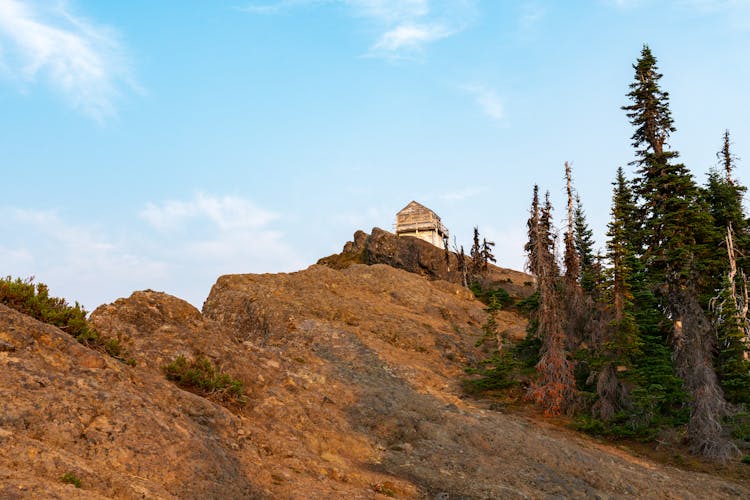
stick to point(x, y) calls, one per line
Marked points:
point(70, 478)
point(33, 299)
point(200, 376)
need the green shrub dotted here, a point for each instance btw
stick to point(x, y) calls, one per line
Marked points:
point(739, 426)
point(70, 478)
point(529, 304)
point(202, 377)
point(498, 373)
point(495, 298)
point(33, 299)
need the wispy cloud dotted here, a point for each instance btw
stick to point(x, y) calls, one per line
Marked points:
point(228, 213)
point(88, 265)
point(220, 234)
point(83, 61)
point(405, 27)
point(487, 99)
point(182, 247)
point(410, 37)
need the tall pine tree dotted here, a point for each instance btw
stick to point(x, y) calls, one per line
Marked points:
point(674, 222)
point(724, 271)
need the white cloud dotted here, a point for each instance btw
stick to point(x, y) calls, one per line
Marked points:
point(410, 37)
point(405, 27)
point(78, 262)
point(488, 100)
point(228, 213)
point(184, 248)
point(83, 61)
point(390, 11)
point(214, 235)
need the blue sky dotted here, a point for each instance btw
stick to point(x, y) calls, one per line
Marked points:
point(161, 144)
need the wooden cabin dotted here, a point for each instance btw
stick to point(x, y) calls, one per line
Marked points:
point(420, 222)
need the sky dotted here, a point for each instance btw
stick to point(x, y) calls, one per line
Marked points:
point(159, 145)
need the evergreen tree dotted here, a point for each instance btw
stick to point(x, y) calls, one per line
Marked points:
point(620, 341)
point(570, 259)
point(726, 157)
point(621, 252)
point(487, 254)
point(637, 388)
point(733, 366)
point(674, 222)
point(462, 267)
point(532, 228)
point(584, 244)
point(649, 111)
point(723, 195)
point(476, 256)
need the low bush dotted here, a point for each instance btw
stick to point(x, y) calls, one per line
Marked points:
point(70, 478)
point(495, 298)
point(498, 373)
point(33, 299)
point(202, 377)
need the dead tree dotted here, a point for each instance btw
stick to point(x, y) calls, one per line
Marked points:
point(555, 388)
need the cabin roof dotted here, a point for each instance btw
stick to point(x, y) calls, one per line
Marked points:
point(416, 217)
point(414, 208)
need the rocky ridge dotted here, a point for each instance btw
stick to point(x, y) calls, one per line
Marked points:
point(422, 258)
point(353, 384)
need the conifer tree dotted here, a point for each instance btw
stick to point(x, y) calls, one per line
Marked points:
point(462, 267)
point(487, 254)
point(476, 256)
point(620, 342)
point(532, 228)
point(723, 195)
point(570, 259)
point(555, 388)
point(584, 244)
point(732, 328)
point(730, 307)
point(578, 309)
point(622, 233)
point(673, 225)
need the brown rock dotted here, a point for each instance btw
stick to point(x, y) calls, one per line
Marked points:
point(353, 384)
point(422, 258)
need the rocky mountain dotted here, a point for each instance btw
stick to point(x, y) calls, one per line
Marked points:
point(420, 257)
point(353, 387)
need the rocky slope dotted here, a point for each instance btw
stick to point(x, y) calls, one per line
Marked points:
point(353, 391)
point(419, 257)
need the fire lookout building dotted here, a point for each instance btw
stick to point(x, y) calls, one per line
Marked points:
point(420, 222)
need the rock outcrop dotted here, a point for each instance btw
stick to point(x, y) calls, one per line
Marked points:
point(422, 258)
point(353, 386)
